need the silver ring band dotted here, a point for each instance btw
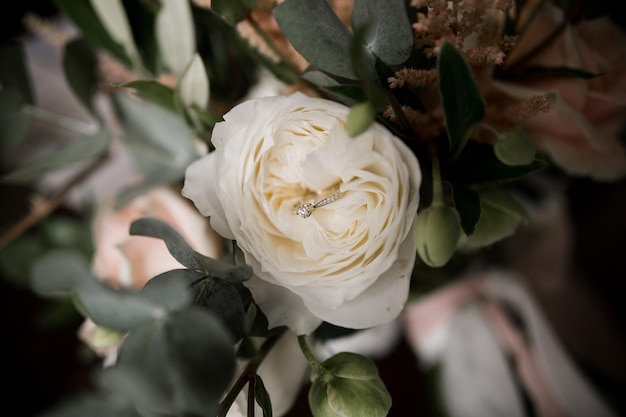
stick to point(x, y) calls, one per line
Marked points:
point(305, 210)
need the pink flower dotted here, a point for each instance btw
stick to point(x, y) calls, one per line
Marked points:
point(130, 261)
point(580, 131)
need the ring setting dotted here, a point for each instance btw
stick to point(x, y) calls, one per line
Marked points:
point(305, 210)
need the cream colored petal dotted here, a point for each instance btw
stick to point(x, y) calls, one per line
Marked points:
point(282, 307)
point(379, 303)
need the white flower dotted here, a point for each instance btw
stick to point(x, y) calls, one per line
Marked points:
point(349, 263)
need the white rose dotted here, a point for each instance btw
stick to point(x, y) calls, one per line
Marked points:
point(350, 262)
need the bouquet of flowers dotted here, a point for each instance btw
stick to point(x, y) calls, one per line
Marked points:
point(264, 178)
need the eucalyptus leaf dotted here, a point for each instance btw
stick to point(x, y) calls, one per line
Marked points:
point(16, 259)
point(175, 32)
point(65, 231)
point(361, 57)
point(169, 289)
point(262, 397)
point(499, 218)
point(145, 353)
point(325, 43)
point(133, 386)
point(82, 14)
point(153, 91)
point(65, 272)
point(347, 93)
point(389, 35)
point(221, 298)
point(188, 359)
point(174, 241)
point(184, 254)
point(76, 151)
point(80, 66)
point(160, 140)
point(319, 78)
point(203, 361)
point(462, 102)
point(113, 17)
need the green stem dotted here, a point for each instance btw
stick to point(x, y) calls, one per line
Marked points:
point(437, 186)
point(251, 397)
point(246, 375)
point(397, 108)
point(47, 206)
point(310, 357)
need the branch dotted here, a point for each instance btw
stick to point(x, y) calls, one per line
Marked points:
point(247, 374)
point(42, 208)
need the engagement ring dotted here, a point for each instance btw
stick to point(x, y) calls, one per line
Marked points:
point(305, 210)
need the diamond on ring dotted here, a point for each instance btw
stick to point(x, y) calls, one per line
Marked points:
point(305, 210)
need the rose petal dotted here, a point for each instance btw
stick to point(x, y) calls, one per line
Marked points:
point(144, 258)
point(379, 303)
point(200, 187)
point(282, 307)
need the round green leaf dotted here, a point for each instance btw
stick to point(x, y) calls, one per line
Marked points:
point(389, 35)
point(325, 43)
point(499, 217)
point(515, 148)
